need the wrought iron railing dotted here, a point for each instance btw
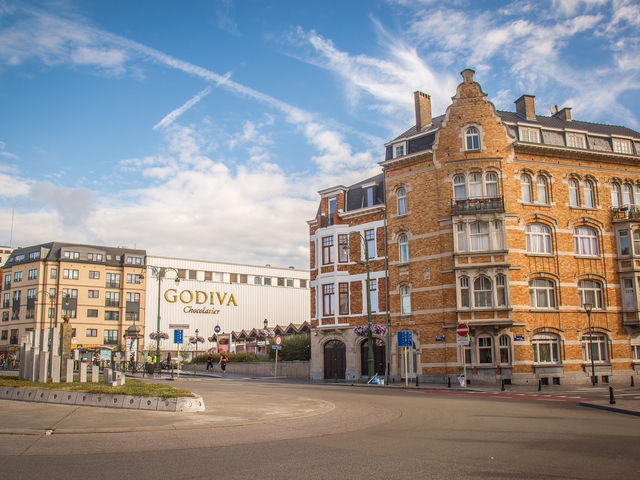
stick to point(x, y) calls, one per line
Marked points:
point(475, 205)
point(625, 213)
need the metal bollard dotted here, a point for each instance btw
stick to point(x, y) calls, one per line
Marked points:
point(612, 398)
point(417, 381)
point(502, 388)
point(632, 382)
point(448, 382)
point(539, 385)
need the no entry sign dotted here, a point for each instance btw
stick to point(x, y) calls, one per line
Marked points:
point(462, 330)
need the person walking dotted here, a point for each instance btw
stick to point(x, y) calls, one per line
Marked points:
point(210, 362)
point(223, 362)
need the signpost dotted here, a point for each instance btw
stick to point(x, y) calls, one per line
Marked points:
point(462, 332)
point(277, 347)
point(405, 340)
point(178, 338)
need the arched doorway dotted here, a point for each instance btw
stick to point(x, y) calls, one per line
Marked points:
point(335, 360)
point(378, 357)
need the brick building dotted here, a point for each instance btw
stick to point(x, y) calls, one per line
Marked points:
point(511, 222)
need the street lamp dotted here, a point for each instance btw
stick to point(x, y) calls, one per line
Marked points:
point(195, 364)
point(160, 273)
point(365, 262)
point(588, 307)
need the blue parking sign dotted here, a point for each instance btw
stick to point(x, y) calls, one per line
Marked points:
point(405, 338)
point(177, 336)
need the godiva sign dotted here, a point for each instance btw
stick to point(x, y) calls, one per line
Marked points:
point(200, 297)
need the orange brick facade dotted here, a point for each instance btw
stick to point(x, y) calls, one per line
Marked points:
point(509, 223)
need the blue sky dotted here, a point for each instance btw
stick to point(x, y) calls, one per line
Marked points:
point(205, 129)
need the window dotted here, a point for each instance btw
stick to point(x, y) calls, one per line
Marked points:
point(402, 201)
point(370, 238)
point(133, 278)
point(595, 345)
point(623, 239)
point(369, 196)
point(373, 294)
point(636, 194)
point(485, 350)
point(575, 140)
point(491, 184)
point(460, 187)
point(94, 294)
point(343, 292)
point(472, 139)
point(498, 235)
point(71, 255)
point(243, 278)
point(482, 292)
point(403, 241)
point(289, 282)
point(465, 298)
point(461, 232)
point(635, 349)
point(92, 332)
point(574, 196)
point(501, 290)
point(505, 350)
point(527, 191)
point(405, 299)
point(112, 299)
point(627, 195)
point(543, 189)
point(111, 337)
point(218, 276)
point(19, 258)
point(93, 275)
point(7, 281)
point(6, 300)
point(590, 291)
point(542, 293)
point(479, 232)
point(69, 274)
point(588, 194)
point(616, 197)
point(33, 274)
point(34, 255)
point(132, 316)
point(529, 135)
point(113, 280)
point(621, 146)
point(636, 242)
point(327, 250)
point(546, 348)
point(586, 241)
point(17, 277)
point(134, 260)
point(53, 273)
point(628, 294)
point(398, 151)
point(343, 248)
point(95, 257)
point(5, 335)
point(475, 185)
point(112, 315)
point(267, 280)
point(303, 283)
point(257, 280)
point(92, 313)
point(233, 278)
point(328, 292)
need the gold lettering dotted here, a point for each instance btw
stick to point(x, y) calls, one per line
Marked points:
point(211, 298)
point(190, 296)
point(232, 299)
point(173, 297)
point(199, 293)
point(221, 300)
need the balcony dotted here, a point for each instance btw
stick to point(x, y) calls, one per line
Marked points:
point(110, 302)
point(625, 214)
point(471, 206)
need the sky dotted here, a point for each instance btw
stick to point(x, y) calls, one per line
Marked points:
point(205, 129)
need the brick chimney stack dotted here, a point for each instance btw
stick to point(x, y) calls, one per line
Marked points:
point(526, 106)
point(564, 114)
point(423, 110)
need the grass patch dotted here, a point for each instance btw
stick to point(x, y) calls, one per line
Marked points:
point(132, 386)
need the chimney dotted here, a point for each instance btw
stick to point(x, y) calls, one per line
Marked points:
point(564, 114)
point(423, 110)
point(526, 106)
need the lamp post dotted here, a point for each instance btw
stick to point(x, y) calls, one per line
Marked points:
point(195, 364)
point(588, 307)
point(365, 262)
point(160, 273)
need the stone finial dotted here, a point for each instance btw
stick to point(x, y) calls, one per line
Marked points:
point(467, 75)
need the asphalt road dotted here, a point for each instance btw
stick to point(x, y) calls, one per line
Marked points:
point(350, 433)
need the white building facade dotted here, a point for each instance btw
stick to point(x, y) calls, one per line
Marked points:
point(218, 298)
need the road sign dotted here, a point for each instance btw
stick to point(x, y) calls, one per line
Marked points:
point(440, 338)
point(462, 330)
point(405, 338)
point(217, 329)
point(276, 347)
point(464, 341)
point(178, 336)
point(278, 340)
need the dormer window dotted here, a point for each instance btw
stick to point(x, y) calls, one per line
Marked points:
point(530, 135)
point(472, 139)
point(333, 207)
point(621, 146)
point(576, 140)
point(398, 150)
point(369, 196)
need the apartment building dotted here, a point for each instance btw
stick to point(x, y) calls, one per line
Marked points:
point(513, 223)
point(100, 289)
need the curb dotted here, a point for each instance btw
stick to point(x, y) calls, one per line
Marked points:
point(610, 409)
point(81, 399)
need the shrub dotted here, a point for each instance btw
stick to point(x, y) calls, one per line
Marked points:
point(233, 357)
point(294, 347)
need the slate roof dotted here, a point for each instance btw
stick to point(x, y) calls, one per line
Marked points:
point(356, 193)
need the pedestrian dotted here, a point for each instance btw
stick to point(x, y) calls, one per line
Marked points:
point(169, 360)
point(223, 362)
point(210, 362)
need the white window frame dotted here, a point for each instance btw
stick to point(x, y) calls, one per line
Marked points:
point(574, 192)
point(586, 241)
point(542, 190)
point(402, 201)
point(546, 340)
point(600, 344)
point(589, 193)
point(485, 345)
point(591, 291)
point(399, 149)
point(542, 289)
point(576, 140)
point(504, 345)
point(616, 195)
point(538, 239)
point(373, 291)
point(526, 188)
point(472, 139)
point(628, 294)
point(624, 243)
point(482, 292)
point(627, 195)
point(460, 186)
point(529, 134)
point(621, 145)
point(405, 299)
point(465, 292)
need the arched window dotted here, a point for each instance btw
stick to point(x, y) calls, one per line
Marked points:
point(591, 292)
point(542, 293)
point(405, 299)
point(475, 185)
point(485, 350)
point(574, 196)
point(586, 241)
point(616, 199)
point(543, 189)
point(491, 184)
point(505, 350)
point(482, 293)
point(546, 348)
point(527, 192)
point(402, 201)
point(627, 194)
point(460, 187)
point(538, 238)
point(596, 346)
point(472, 139)
point(589, 201)
point(464, 292)
point(636, 194)
point(403, 241)
point(501, 290)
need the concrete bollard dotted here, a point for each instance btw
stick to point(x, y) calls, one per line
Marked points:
point(632, 382)
point(83, 372)
point(95, 372)
point(448, 382)
point(502, 387)
point(539, 385)
point(69, 376)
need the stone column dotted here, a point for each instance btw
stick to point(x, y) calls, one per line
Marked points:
point(83, 372)
point(95, 372)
